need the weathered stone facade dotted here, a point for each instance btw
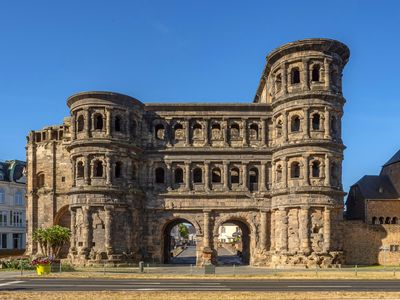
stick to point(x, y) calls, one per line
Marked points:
point(121, 172)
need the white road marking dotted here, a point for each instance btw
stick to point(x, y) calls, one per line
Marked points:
point(319, 286)
point(10, 283)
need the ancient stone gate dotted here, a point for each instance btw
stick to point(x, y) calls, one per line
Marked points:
point(127, 170)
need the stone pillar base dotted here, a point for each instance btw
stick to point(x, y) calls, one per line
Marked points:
point(332, 259)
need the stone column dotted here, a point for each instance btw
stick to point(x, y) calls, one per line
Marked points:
point(108, 221)
point(327, 171)
point(226, 175)
point(187, 133)
point(128, 124)
point(306, 81)
point(306, 123)
point(285, 172)
point(187, 176)
point(86, 231)
point(327, 229)
point(108, 170)
point(108, 122)
point(74, 170)
point(225, 131)
point(282, 230)
point(262, 177)
point(306, 178)
point(327, 68)
point(73, 126)
point(72, 247)
point(285, 126)
point(284, 78)
point(327, 124)
point(244, 130)
point(264, 124)
point(206, 231)
point(206, 133)
point(206, 175)
point(168, 175)
point(273, 237)
point(86, 170)
point(263, 230)
point(245, 177)
point(87, 123)
point(304, 230)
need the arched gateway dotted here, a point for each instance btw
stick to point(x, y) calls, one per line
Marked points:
point(129, 171)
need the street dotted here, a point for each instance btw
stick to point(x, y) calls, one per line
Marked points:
point(80, 284)
point(188, 256)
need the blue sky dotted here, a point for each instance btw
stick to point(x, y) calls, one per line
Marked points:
point(193, 51)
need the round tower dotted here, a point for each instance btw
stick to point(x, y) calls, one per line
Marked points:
point(303, 86)
point(105, 155)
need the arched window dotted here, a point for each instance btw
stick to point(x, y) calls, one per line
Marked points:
point(316, 122)
point(387, 220)
point(118, 124)
point(278, 83)
point(295, 124)
point(197, 131)
point(253, 179)
point(234, 175)
point(98, 122)
point(118, 169)
point(315, 73)
point(333, 126)
point(40, 180)
point(234, 131)
point(134, 172)
point(178, 175)
point(216, 175)
point(279, 126)
point(295, 170)
point(18, 198)
point(278, 173)
point(197, 175)
point(80, 123)
point(334, 170)
point(395, 220)
point(160, 175)
point(216, 133)
point(374, 220)
point(253, 132)
point(381, 220)
point(80, 170)
point(178, 131)
point(98, 168)
point(316, 167)
point(133, 125)
point(295, 75)
point(159, 132)
point(2, 196)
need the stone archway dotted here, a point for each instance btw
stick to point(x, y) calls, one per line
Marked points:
point(171, 247)
point(240, 249)
point(63, 218)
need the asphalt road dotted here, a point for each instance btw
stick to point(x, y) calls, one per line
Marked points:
point(34, 284)
point(188, 256)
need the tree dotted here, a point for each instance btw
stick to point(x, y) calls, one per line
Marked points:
point(183, 231)
point(52, 239)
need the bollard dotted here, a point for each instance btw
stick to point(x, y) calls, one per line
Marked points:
point(355, 269)
point(141, 266)
point(394, 271)
point(104, 268)
point(191, 269)
point(22, 267)
point(60, 265)
point(234, 270)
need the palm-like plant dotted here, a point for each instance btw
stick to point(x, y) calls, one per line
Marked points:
point(52, 239)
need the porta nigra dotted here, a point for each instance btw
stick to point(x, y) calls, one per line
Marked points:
point(120, 173)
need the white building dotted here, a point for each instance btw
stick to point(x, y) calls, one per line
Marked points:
point(228, 233)
point(12, 207)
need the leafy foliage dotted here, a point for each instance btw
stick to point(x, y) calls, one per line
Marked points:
point(183, 231)
point(52, 239)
